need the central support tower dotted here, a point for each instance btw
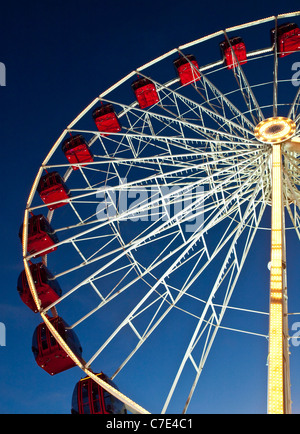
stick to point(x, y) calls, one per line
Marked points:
point(275, 131)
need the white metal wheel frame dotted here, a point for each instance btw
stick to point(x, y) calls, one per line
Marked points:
point(180, 191)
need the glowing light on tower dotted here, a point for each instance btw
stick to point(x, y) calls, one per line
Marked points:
point(276, 375)
point(276, 131)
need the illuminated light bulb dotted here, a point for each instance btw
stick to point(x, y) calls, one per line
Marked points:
point(275, 130)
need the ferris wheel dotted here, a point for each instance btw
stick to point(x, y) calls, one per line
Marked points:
point(141, 217)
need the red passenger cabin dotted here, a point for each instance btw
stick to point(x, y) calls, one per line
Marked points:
point(90, 398)
point(239, 52)
point(47, 287)
point(52, 188)
point(145, 92)
point(41, 236)
point(106, 119)
point(187, 69)
point(77, 151)
point(288, 39)
point(48, 354)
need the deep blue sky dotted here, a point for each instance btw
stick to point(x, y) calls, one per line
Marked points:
point(58, 57)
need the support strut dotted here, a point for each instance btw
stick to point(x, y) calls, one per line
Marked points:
point(278, 367)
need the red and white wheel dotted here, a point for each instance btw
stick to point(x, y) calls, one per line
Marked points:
point(153, 196)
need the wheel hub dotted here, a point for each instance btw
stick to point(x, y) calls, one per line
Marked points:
point(275, 130)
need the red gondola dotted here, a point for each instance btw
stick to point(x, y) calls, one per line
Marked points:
point(187, 69)
point(48, 354)
point(77, 151)
point(239, 54)
point(106, 119)
point(145, 92)
point(288, 39)
point(47, 287)
point(90, 398)
point(40, 236)
point(52, 188)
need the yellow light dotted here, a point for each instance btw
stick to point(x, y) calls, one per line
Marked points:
point(276, 364)
point(275, 130)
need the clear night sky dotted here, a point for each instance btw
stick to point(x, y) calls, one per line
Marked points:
point(59, 56)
